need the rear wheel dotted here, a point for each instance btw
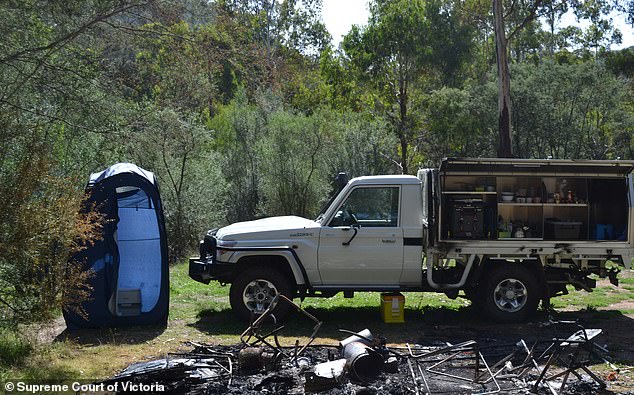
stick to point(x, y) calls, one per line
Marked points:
point(254, 289)
point(511, 293)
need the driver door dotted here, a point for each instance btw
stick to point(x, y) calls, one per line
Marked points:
point(374, 256)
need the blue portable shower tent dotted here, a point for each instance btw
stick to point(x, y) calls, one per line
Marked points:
point(130, 280)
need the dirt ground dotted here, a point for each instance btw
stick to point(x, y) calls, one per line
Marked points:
point(438, 328)
point(433, 328)
point(493, 341)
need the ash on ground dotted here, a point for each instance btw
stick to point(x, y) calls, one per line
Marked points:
point(365, 364)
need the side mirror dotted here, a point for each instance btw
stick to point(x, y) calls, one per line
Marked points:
point(338, 219)
point(354, 227)
point(344, 217)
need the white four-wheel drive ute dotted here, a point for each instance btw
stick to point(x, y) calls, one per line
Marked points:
point(504, 233)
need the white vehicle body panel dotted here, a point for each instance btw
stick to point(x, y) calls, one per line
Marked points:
point(374, 257)
point(275, 236)
point(250, 229)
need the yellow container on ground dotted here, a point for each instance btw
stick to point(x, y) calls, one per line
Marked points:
point(393, 307)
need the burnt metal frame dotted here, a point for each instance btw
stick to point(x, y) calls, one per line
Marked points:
point(580, 343)
point(252, 330)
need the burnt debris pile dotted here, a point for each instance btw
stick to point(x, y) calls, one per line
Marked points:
point(364, 364)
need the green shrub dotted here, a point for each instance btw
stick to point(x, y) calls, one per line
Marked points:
point(13, 348)
point(40, 228)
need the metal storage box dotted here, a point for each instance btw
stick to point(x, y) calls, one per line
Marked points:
point(562, 230)
point(467, 219)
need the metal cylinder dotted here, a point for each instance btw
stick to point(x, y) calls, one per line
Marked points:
point(364, 334)
point(362, 361)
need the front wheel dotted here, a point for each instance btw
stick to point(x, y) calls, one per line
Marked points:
point(253, 291)
point(511, 293)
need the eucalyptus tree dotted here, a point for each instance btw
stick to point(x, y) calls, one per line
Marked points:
point(405, 45)
point(511, 17)
point(277, 24)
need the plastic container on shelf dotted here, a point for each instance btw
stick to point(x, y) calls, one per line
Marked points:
point(562, 230)
point(604, 232)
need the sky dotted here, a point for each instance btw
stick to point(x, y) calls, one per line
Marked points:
point(340, 15)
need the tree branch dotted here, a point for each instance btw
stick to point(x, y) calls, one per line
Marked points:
point(147, 31)
point(74, 125)
point(54, 118)
point(167, 168)
point(4, 302)
point(398, 164)
point(39, 64)
point(60, 42)
point(532, 15)
point(511, 8)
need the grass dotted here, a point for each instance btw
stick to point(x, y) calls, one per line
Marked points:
point(201, 313)
point(14, 349)
point(599, 297)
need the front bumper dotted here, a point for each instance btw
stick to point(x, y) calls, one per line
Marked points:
point(204, 270)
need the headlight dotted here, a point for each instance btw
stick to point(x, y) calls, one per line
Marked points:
point(207, 247)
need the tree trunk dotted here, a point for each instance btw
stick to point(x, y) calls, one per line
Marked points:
point(403, 132)
point(404, 159)
point(505, 148)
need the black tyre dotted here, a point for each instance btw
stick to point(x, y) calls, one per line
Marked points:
point(472, 295)
point(511, 293)
point(254, 289)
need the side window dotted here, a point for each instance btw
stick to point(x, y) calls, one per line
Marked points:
point(369, 207)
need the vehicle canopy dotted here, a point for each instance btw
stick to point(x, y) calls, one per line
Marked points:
point(490, 199)
point(546, 167)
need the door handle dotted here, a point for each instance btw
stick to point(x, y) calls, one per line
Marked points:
point(388, 241)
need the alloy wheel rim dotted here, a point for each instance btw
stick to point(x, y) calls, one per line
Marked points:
point(510, 295)
point(258, 295)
